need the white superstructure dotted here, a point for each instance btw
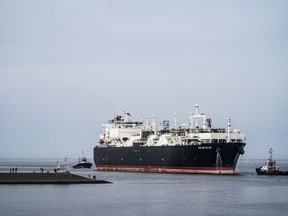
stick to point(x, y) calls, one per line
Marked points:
point(121, 132)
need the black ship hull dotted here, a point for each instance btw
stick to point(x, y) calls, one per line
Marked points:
point(82, 165)
point(214, 158)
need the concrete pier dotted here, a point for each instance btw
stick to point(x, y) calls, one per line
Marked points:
point(46, 178)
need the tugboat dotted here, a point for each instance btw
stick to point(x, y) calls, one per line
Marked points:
point(62, 168)
point(82, 163)
point(270, 167)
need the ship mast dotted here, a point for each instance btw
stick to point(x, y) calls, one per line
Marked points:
point(175, 120)
point(127, 113)
point(191, 121)
point(153, 124)
point(196, 116)
point(228, 129)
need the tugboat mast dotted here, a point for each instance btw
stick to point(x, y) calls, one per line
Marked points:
point(270, 153)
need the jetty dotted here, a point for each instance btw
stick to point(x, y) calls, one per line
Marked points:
point(47, 178)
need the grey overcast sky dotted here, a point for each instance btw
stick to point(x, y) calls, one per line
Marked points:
point(67, 66)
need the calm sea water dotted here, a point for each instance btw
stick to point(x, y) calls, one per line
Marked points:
point(147, 193)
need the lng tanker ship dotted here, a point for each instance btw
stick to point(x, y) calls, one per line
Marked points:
point(138, 146)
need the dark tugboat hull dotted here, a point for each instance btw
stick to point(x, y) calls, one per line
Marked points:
point(272, 173)
point(81, 166)
point(200, 159)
